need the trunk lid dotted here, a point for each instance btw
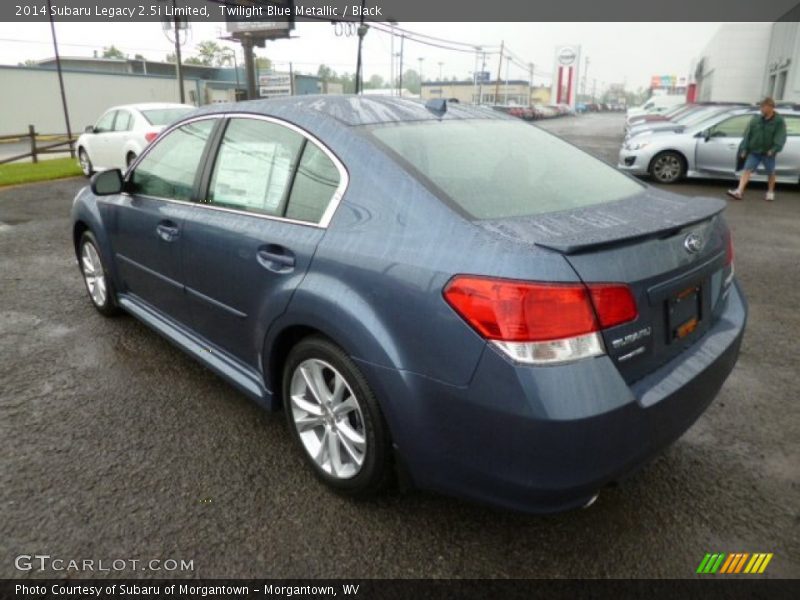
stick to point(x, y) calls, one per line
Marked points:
point(670, 250)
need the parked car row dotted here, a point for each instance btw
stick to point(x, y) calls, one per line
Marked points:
point(702, 141)
point(583, 107)
point(536, 111)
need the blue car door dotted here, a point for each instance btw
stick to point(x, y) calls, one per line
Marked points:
point(251, 238)
point(144, 223)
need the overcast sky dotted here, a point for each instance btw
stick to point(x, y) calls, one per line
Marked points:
point(618, 52)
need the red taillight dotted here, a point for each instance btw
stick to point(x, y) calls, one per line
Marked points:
point(516, 311)
point(150, 136)
point(613, 303)
point(729, 249)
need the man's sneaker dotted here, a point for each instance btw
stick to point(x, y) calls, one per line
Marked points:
point(735, 194)
point(770, 196)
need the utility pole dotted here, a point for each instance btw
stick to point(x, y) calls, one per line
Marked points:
point(362, 31)
point(475, 76)
point(178, 64)
point(391, 54)
point(585, 74)
point(440, 70)
point(480, 80)
point(420, 59)
point(497, 81)
point(400, 82)
point(530, 85)
point(505, 94)
point(60, 82)
point(594, 88)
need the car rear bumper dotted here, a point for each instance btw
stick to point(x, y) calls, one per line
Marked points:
point(544, 439)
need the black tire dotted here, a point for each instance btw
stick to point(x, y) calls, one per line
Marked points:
point(668, 167)
point(85, 162)
point(376, 472)
point(108, 307)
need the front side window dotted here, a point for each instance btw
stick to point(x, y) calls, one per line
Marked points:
point(733, 127)
point(494, 169)
point(792, 125)
point(254, 167)
point(106, 122)
point(169, 169)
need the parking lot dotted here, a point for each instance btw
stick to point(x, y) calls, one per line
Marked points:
point(115, 445)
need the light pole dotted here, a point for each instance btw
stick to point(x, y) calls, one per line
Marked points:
point(420, 59)
point(440, 70)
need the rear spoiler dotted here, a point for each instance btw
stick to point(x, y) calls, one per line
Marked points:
point(574, 231)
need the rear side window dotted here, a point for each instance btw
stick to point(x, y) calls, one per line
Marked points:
point(123, 122)
point(314, 185)
point(494, 169)
point(254, 166)
point(165, 116)
point(169, 169)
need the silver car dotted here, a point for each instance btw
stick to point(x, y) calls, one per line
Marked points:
point(707, 150)
point(700, 114)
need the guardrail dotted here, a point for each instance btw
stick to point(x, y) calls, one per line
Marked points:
point(37, 147)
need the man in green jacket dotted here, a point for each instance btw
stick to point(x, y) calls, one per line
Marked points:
point(763, 139)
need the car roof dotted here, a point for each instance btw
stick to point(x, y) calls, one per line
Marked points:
point(355, 110)
point(150, 106)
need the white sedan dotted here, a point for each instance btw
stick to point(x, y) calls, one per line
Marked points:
point(120, 135)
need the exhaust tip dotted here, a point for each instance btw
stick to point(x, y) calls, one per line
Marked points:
point(591, 501)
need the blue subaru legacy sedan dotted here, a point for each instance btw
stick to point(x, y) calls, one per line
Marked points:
point(429, 290)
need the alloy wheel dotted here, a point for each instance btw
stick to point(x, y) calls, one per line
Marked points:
point(84, 162)
point(93, 274)
point(667, 168)
point(328, 418)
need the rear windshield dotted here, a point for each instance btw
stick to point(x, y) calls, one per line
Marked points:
point(164, 116)
point(493, 169)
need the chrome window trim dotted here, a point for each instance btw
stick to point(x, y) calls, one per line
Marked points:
point(333, 203)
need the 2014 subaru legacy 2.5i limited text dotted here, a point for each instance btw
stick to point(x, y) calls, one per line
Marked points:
point(434, 290)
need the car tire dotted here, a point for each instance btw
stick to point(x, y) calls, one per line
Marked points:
point(99, 285)
point(343, 437)
point(668, 167)
point(85, 163)
point(129, 160)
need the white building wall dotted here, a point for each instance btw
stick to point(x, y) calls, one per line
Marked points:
point(734, 63)
point(31, 96)
point(783, 57)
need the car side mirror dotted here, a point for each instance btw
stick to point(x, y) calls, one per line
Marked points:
point(89, 129)
point(107, 183)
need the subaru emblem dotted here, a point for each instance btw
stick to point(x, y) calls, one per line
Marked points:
point(693, 243)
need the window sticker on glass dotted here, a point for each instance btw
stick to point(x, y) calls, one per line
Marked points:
point(254, 166)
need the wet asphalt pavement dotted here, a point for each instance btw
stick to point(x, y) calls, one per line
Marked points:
point(115, 445)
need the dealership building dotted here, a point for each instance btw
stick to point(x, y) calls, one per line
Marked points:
point(743, 62)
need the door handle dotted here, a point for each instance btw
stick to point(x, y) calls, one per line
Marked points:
point(167, 231)
point(733, 146)
point(276, 258)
